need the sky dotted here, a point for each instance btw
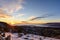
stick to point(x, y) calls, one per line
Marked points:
point(42, 11)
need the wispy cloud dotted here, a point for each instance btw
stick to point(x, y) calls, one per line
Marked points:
point(20, 14)
point(11, 6)
point(39, 17)
point(31, 17)
point(3, 14)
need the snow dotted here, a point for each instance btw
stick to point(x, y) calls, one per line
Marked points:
point(14, 36)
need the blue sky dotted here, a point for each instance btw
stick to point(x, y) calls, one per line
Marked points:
point(27, 9)
point(41, 7)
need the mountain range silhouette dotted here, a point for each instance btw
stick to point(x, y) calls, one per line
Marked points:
point(53, 24)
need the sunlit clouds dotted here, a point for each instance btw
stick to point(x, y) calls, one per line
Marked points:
point(9, 19)
point(8, 9)
point(20, 14)
point(31, 17)
point(11, 6)
point(4, 15)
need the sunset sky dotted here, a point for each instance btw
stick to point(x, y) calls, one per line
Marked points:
point(23, 11)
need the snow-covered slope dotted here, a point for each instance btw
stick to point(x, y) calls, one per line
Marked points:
point(14, 36)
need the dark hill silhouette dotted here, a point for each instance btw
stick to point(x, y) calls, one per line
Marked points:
point(4, 26)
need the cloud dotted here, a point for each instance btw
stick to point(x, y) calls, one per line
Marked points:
point(34, 18)
point(31, 17)
point(3, 14)
point(11, 6)
point(17, 16)
point(39, 17)
point(20, 14)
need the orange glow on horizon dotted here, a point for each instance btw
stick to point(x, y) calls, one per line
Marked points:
point(13, 22)
point(22, 22)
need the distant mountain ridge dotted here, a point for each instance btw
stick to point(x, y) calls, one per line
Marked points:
point(53, 24)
